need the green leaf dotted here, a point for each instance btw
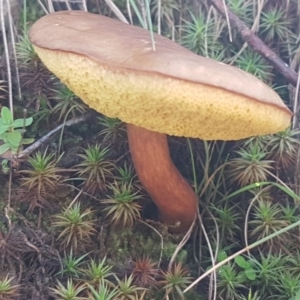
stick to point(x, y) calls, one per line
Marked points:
point(221, 256)
point(6, 115)
point(27, 141)
point(22, 122)
point(4, 128)
point(250, 273)
point(20, 130)
point(240, 278)
point(4, 136)
point(4, 148)
point(242, 263)
point(14, 138)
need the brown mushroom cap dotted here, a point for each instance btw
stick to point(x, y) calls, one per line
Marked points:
point(113, 68)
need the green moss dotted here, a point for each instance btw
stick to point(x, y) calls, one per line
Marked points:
point(140, 241)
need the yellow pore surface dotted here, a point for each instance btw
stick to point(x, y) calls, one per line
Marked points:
point(164, 104)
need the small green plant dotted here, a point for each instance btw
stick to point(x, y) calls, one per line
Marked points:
point(227, 217)
point(67, 103)
point(294, 262)
point(251, 296)
point(102, 293)
point(114, 130)
point(7, 289)
point(127, 290)
point(230, 282)
point(175, 281)
point(144, 272)
point(275, 24)
point(241, 8)
point(250, 166)
point(70, 292)
point(246, 266)
point(289, 213)
point(25, 50)
point(253, 63)
point(199, 36)
point(267, 218)
point(126, 176)
point(11, 131)
point(95, 169)
point(268, 267)
point(283, 147)
point(71, 265)
point(297, 296)
point(42, 179)
point(287, 285)
point(122, 207)
point(36, 81)
point(98, 273)
point(76, 227)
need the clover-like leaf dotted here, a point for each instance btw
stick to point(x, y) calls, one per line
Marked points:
point(14, 138)
point(242, 263)
point(22, 122)
point(6, 116)
point(251, 274)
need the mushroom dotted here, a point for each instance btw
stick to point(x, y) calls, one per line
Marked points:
point(170, 90)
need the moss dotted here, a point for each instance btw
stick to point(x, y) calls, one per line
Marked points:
point(141, 241)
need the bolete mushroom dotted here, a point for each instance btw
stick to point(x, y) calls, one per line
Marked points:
point(113, 68)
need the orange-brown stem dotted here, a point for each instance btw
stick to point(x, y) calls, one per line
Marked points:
point(174, 197)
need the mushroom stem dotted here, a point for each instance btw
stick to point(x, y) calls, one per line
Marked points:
point(174, 197)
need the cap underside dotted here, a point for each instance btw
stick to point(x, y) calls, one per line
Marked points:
point(164, 104)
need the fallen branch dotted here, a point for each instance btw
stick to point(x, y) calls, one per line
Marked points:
point(38, 143)
point(255, 42)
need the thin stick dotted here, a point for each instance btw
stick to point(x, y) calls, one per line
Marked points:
point(211, 253)
point(7, 208)
point(256, 43)
point(228, 21)
point(77, 196)
point(181, 244)
point(129, 12)
point(148, 12)
point(38, 143)
point(84, 5)
point(13, 43)
point(254, 28)
point(68, 4)
point(144, 13)
point(279, 180)
point(159, 17)
point(247, 217)
point(231, 257)
point(50, 6)
point(116, 11)
point(214, 259)
point(139, 16)
point(43, 7)
point(6, 51)
point(206, 31)
point(295, 107)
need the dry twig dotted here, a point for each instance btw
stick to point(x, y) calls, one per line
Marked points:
point(256, 43)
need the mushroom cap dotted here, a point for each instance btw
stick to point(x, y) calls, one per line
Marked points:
point(114, 69)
